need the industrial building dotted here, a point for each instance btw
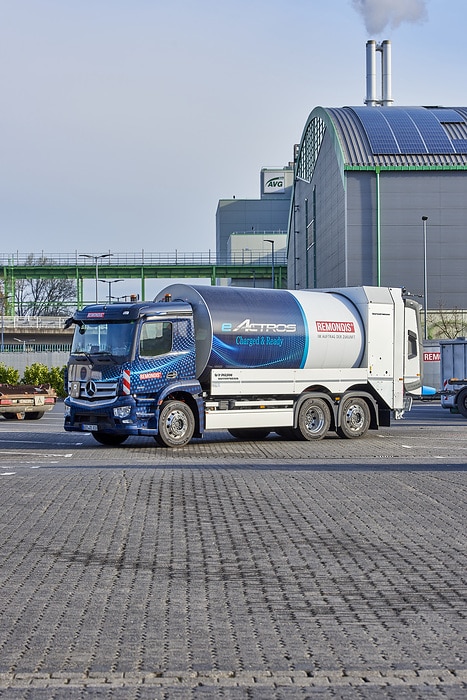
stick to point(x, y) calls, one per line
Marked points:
point(243, 225)
point(380, 196)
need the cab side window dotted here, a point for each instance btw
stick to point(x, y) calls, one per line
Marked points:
point(155, 339)
point(412, 345)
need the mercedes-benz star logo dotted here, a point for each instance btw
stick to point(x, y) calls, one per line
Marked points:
point(91, 388)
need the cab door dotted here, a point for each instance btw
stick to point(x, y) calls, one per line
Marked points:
point(413, 352)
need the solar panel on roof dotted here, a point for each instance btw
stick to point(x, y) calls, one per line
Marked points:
point(460, 145)
point(435, 137)
point(414, 130)
point(379, 134)
point(446, 115)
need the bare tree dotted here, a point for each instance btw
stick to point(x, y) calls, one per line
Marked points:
point(448, 323)
point(43, 297)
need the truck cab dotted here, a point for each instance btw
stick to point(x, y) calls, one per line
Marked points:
point(126, 360)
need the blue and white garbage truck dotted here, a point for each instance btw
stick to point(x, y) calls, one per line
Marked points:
point(252, 361)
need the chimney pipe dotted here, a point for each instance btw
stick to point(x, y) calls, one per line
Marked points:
point(386, 77)
point(371, 73)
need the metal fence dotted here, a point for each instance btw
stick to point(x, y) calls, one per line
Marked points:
point(35, 347)
point(18, 323)
point(259, 256)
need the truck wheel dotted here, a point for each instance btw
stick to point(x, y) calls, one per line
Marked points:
point(14, 416)
point(249, 433)
point(176, 424)
point(34, 415)
point(314, 419)
point(109, 439)
point(462, 402)
point(354, 418)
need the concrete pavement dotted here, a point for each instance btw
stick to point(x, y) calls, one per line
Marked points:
point(237, 570)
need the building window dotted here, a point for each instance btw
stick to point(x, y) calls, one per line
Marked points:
point(310, 149)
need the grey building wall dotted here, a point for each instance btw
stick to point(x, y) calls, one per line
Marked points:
point(361, 229)
point(268, 213)
point(247, 215)
point(442, 196)
point(317, 242)
point(346, 236)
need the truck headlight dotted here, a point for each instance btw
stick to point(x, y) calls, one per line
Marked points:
point(122, 411)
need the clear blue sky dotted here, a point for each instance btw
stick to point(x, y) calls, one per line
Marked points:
point(123, 122)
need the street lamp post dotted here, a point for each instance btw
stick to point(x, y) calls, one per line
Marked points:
point(110, 283)
point(425, 278)
point(2, 345)
point(96, 259)
point(269, 240)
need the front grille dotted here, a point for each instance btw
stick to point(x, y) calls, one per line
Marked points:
point(98, 391)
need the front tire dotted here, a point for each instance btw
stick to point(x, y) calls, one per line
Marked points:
point(109, 438)
point(354, 418)
point(314, 419)
point(176, 424)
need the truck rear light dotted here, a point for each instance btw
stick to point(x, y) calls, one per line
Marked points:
point(6, 402)
point(50, 400)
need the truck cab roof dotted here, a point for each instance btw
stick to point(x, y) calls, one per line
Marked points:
point(131, 311)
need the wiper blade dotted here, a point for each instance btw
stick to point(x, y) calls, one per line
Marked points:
point(107, 354)
point(86, 355)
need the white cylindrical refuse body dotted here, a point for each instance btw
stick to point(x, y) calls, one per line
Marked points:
point(248, 328)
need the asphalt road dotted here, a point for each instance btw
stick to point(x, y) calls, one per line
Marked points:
point(233, 569)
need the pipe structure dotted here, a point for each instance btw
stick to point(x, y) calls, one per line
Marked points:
point(371, 100)
point(386, 77)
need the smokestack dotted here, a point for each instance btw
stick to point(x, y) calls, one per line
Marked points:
point(371, 73)
point(386, 78)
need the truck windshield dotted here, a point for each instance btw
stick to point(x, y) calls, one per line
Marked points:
point(114, 339)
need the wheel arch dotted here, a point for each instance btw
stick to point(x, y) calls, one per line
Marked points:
point(316, 392)
point(192, 399)
point(362, 393)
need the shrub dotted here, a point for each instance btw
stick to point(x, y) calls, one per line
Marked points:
point(57, 380)
point(8, 375)
point(40, 374)
point(36, 374)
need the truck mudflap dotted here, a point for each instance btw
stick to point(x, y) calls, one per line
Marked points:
point(399, 412)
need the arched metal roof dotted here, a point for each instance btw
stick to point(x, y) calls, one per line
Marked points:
point(394, 136)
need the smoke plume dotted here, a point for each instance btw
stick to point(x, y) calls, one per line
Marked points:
point(379, 14)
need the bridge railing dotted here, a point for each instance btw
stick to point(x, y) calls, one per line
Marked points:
point(245, 256)
point(18, 323)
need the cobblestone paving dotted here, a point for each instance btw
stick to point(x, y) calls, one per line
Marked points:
point(236, 570)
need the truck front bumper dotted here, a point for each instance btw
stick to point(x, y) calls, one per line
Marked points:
point(129, 418)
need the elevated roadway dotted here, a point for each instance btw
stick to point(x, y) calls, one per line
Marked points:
point(247, 265)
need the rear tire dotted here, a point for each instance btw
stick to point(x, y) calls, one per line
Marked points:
point(109, 438)
point(354, 418)
point(252, 434)
point(462, 402)
point(314, 419)
point(176, 424)
point(14, 416)
point(34, 415)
